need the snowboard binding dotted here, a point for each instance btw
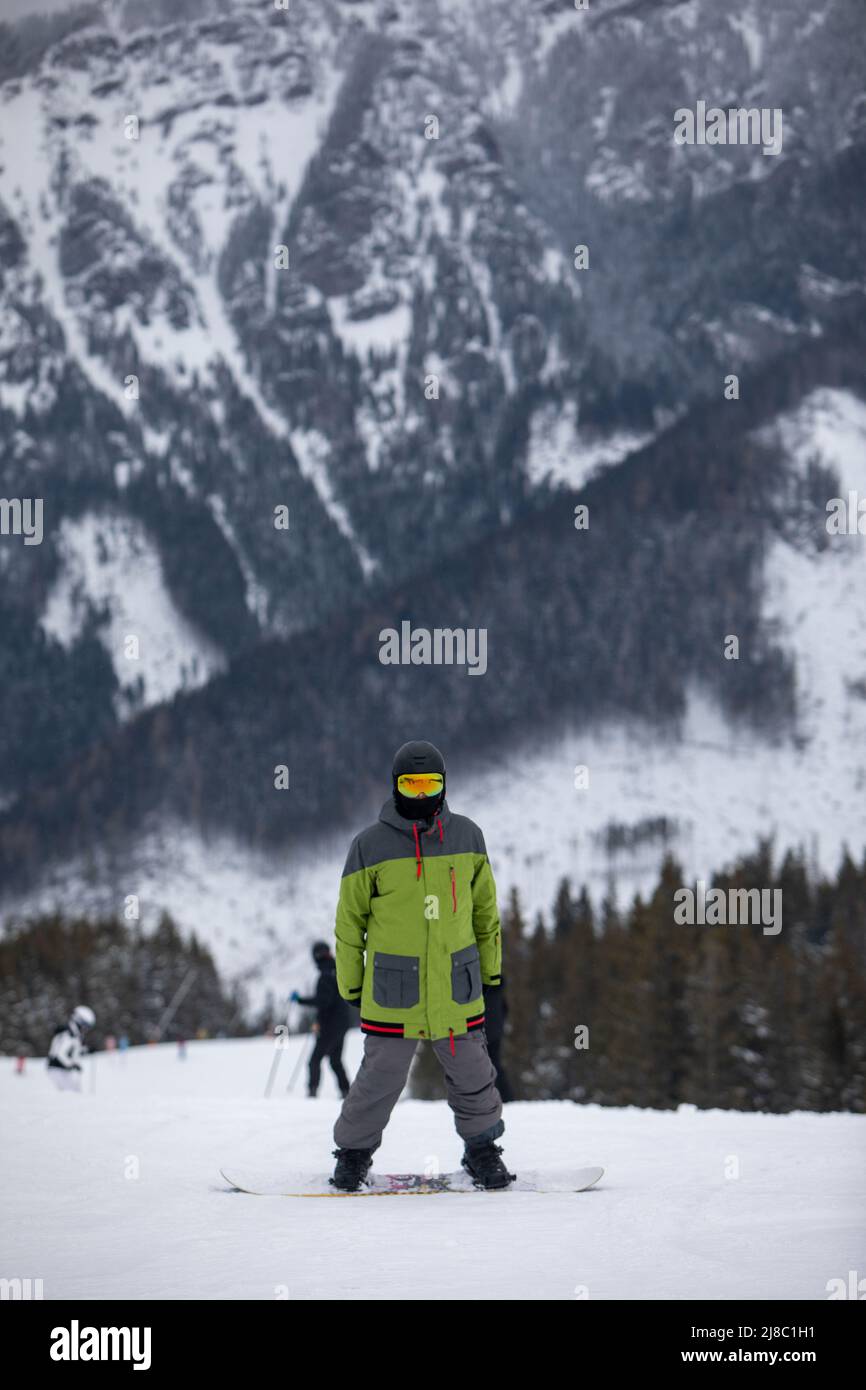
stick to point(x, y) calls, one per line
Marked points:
point(352, 1168)
point(486, 1168)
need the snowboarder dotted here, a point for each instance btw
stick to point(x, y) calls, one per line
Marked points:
point(418, 939)
point(332, 1021)
point(67, 1049)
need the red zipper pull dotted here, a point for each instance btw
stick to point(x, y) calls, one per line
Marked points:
point(417, 849)
point(453, 890)
point(451, 1034)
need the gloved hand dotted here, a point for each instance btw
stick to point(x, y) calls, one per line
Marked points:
point(355, 1003)
point(294, 996)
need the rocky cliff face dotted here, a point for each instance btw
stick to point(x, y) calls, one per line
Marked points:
point(321, 258)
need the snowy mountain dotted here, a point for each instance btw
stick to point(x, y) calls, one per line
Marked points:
point(706, 790)
point(322, 259)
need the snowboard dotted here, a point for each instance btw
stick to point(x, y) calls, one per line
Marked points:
point(261, 1184)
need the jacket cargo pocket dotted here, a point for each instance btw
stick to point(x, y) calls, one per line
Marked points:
point(465, 975)
point(395, 981)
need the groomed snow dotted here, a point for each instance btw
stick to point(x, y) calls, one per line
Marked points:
point(116, 1194)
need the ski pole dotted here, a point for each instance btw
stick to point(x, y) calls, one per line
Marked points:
point(272, 1074)
point(179, 995)
point(301, 1056)
point(279, 1043)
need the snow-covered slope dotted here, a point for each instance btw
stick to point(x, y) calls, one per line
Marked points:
point(560, 454)
point(109, 566)
point(117, 1194)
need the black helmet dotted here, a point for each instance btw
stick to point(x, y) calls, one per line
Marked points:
point(321, 951)
point(417, 756)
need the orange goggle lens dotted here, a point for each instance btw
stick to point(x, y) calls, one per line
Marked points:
point(420, 783)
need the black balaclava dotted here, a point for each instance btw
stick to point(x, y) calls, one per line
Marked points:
point(418, 756)
point(321, 953)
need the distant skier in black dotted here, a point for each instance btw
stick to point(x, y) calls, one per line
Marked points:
point(495, 1014)
point(332, 1021)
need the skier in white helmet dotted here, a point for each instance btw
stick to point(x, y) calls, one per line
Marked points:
point(67, 1049)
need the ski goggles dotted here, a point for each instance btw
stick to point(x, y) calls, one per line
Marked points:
point(420, 784)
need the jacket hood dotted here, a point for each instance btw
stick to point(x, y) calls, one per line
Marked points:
point(391, 816)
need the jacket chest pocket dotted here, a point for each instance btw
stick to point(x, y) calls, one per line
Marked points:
point(465, 975)
point(395, 981)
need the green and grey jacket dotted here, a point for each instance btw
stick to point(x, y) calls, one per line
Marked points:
point(418, 927)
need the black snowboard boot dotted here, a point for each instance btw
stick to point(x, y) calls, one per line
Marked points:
point(353, 1165)
point(486, 1167)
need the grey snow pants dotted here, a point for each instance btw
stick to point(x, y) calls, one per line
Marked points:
point(470, 1087)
